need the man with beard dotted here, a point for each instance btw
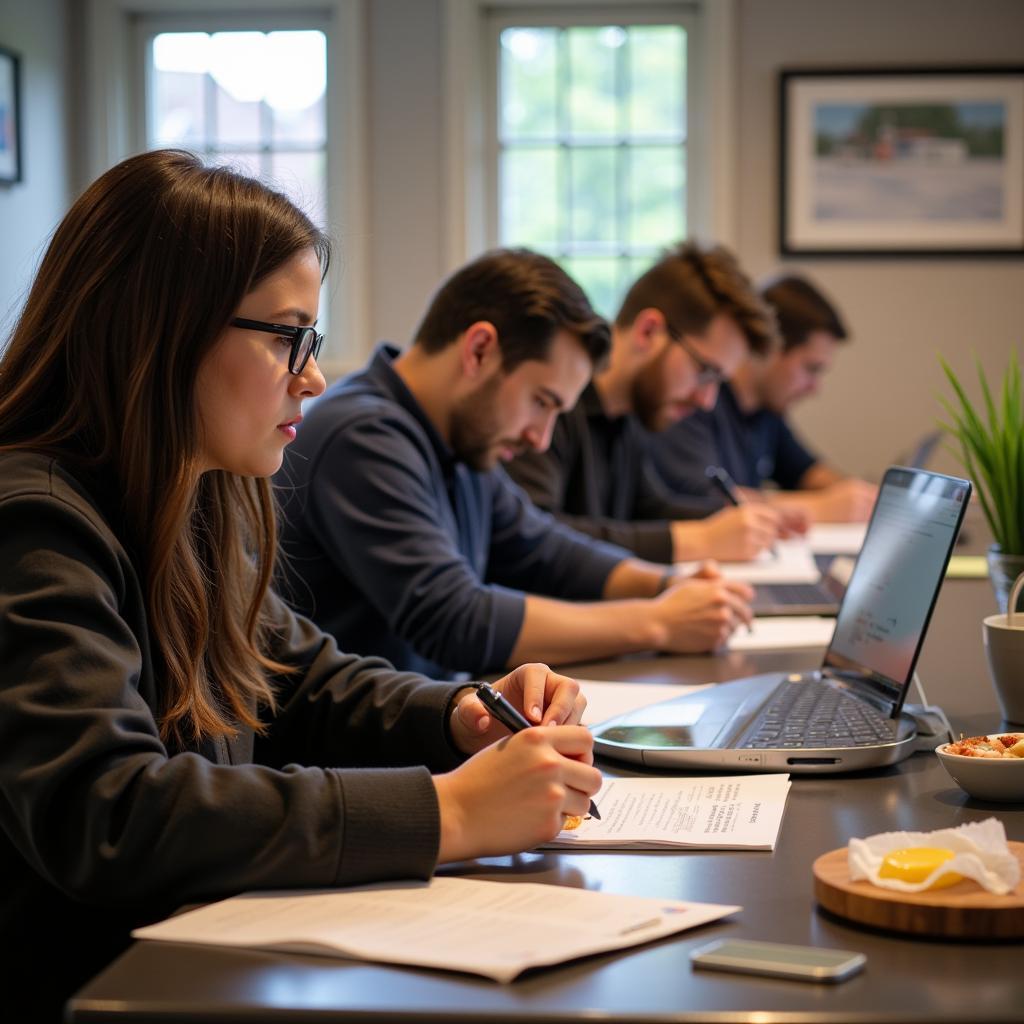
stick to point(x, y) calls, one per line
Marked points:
point(686, 325)
point(404, 537)
point(748, 433)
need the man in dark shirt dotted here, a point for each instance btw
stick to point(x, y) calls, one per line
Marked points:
point(405, 538)
point(747, 432)
point(684, 327)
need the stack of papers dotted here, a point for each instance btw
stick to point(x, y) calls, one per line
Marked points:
point(497, 929)
point(734, 812)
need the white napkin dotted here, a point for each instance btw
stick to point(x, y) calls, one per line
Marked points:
point(979, 852)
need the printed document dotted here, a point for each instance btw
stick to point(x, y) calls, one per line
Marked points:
point(836, 538)
point(739, 812)
point(497, 929)
point(784, 631)
point(789, 561)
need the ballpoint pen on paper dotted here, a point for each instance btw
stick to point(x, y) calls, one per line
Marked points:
point(512, 719)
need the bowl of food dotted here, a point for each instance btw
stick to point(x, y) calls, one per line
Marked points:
point(988, 767)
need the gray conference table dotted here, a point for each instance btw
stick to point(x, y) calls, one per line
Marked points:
point(906, 979)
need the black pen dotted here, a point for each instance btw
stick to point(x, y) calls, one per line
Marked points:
point(719, 476)
point(509, 717)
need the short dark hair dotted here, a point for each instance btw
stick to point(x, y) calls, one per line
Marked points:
point(528, 297)
point(691, 285)
point(801, 309)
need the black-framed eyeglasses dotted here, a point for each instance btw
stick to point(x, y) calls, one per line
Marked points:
point(306, 341)
point(707, 372)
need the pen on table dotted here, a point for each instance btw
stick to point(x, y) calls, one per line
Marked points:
point(719, 476)
point(509, 717)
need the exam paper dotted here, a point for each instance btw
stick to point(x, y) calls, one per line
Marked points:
point(784, 631)
point(836, 538)
point(735, 812)
point(609, 699)
point(790, 561)
point(497, 929)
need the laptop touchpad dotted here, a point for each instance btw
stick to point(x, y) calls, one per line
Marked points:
point(684, 723)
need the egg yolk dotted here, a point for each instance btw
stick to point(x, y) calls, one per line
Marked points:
point(916, 863)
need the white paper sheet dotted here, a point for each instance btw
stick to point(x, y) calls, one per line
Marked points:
point(607, 699)
point(497, 929)
point(790, 561)
point(737, 812)
point(836, 538)
point(784, 631)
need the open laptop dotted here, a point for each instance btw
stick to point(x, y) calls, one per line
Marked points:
point(844, 716)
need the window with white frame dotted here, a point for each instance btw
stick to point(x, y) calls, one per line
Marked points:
point(589, 140)
point(253, 100)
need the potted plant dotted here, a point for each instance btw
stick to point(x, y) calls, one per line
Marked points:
point(991, 441)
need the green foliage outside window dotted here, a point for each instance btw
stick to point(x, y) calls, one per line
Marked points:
point(592, 137)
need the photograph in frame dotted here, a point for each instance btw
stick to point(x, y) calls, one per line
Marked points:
point(901, 162)
point(10, 120)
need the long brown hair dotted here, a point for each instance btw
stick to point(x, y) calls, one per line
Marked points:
point(138, 282)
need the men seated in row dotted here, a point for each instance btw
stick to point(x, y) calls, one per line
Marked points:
point(406, 539)
point(686, 325)
point(747, 432)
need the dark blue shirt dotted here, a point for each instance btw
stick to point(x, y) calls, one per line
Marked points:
point(752, 447)
point(598, 478)
point(398, 549)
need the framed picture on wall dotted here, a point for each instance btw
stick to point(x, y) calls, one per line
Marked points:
point(10, 118)
point(902, 162)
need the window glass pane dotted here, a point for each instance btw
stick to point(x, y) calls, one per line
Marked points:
point(237, 121)
point(610, 193)
point(181, 61)
point(528, 104)
point(656, 194)
point(599, 277)
point(307, 125)
point(592, 102)
point(300, 176)
point(657, 80)
point(529, 197)
point(592, 177)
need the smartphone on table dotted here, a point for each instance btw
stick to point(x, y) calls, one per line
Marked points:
point(804, 963)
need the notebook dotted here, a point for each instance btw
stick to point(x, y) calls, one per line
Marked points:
point(846, 715)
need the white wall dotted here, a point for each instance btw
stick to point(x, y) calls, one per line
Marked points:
point(902, 312)
point(29, 210)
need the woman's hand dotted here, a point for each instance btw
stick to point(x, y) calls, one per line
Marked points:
point(543, 696)
point(515, 793)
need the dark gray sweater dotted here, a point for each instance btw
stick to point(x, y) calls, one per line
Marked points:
point(103, 827)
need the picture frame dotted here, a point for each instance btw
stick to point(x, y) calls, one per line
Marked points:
point(901, 162)
point(10, 117)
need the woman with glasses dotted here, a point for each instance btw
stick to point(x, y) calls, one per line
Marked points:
point(169, 731)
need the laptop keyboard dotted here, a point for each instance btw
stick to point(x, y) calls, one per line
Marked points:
point(812, 715)
point(798, 593)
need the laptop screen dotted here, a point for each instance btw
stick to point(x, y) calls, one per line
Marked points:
point(889, 600)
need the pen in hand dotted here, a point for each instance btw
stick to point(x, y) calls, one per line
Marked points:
point(720, 477)
point(512, 719)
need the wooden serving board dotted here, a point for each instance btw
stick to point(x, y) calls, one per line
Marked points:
point(963, 911)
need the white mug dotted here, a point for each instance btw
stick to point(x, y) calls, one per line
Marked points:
point(1004, 651)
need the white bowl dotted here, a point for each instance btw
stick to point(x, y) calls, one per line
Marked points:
point(987, 778)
